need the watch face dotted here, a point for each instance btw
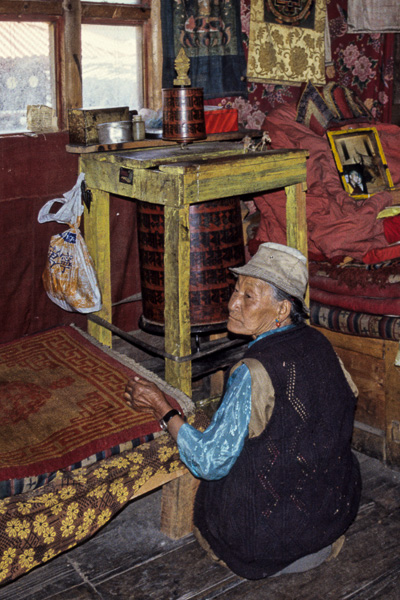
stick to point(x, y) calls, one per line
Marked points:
point(163, 424)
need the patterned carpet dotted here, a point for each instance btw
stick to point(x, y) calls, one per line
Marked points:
point(61, 401)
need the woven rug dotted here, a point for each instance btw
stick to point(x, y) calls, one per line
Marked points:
point(61, 401)
point(38, 525)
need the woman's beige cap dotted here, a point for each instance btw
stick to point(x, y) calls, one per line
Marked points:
point(284, 267)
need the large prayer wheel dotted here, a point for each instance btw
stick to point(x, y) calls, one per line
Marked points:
point(216, 243)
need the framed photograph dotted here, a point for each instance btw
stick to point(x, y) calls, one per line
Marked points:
point(360, 161)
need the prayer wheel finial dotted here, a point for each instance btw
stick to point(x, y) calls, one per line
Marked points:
point(182, 65)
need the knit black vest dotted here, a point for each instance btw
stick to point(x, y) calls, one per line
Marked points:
point(295, 488)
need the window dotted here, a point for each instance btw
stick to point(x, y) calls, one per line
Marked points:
point(112, 66)
point(37, 69)
point(26, 73)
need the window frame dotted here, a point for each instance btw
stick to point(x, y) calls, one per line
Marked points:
point(66, 17)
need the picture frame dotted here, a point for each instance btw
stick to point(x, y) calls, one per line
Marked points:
point(360, 160)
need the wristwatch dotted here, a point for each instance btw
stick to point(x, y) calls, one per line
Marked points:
point(164, 421)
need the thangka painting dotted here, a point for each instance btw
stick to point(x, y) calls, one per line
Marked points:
point(210, 33)
point(286, 42)
point(290, 12)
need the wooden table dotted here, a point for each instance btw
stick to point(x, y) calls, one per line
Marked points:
point(177, 177)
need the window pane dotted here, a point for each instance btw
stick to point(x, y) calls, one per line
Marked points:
point(112, 66)
point(25, 72)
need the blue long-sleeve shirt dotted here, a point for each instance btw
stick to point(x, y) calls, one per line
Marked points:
point(211, 454)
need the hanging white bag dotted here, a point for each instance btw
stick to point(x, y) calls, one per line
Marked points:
point(69, 276)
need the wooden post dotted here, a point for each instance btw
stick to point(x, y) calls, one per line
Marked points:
point(176, 291)
point(154, 50)
point(296, 220)
point(177, 506)
point(72, 93)
point(97, 237)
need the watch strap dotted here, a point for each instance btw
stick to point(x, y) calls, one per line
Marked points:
point(167, 417)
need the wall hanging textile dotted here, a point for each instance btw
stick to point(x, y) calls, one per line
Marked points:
point(286, 44)
point(210, 33)
point(373, 16)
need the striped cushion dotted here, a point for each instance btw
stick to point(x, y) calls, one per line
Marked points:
point(313, 112)
point(355, 323)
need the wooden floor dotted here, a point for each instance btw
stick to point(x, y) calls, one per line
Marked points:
point(129, 559)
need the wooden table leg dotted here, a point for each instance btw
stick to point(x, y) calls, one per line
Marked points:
point(296, 219)
point(177, 506)
point(176, 291)
point(97, 237)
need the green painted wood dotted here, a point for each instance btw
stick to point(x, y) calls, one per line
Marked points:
point(182, 175)
point(176, 311)
point(97, 237)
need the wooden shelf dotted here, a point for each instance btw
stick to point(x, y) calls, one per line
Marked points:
point(155, 143)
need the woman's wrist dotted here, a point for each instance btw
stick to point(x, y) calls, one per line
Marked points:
point(161, 410)
point(166, 419)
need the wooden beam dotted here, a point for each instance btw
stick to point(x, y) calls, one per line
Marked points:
point(176, 287)
point(89, 10)
point(120, 12)
point(296, 221)
point(177, 506)
point(31, 8)
point(154, 57)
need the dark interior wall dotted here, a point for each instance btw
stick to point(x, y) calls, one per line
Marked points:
point(396, 82)
point(34, 169)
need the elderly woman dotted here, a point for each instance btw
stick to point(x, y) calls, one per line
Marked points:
point(279, 484)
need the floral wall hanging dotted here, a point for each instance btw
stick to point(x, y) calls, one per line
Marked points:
point(286, 44)
point(362, 62)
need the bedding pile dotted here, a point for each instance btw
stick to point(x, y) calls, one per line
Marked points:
point(338, 225)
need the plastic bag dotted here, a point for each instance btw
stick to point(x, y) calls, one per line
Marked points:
point(69, 277)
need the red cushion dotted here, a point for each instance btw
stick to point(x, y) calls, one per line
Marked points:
point(380, 254)
point(391, 229)
point(344, 103)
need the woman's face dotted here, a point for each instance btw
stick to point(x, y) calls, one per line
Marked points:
point(252, 307)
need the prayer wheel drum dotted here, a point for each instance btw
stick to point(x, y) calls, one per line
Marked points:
point(183, 114)
point(216, 243)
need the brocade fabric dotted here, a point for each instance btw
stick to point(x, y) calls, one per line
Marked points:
point(286, 54)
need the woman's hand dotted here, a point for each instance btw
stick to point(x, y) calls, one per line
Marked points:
point(143, 395)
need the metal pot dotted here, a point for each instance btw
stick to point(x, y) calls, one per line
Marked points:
point(112, 133)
